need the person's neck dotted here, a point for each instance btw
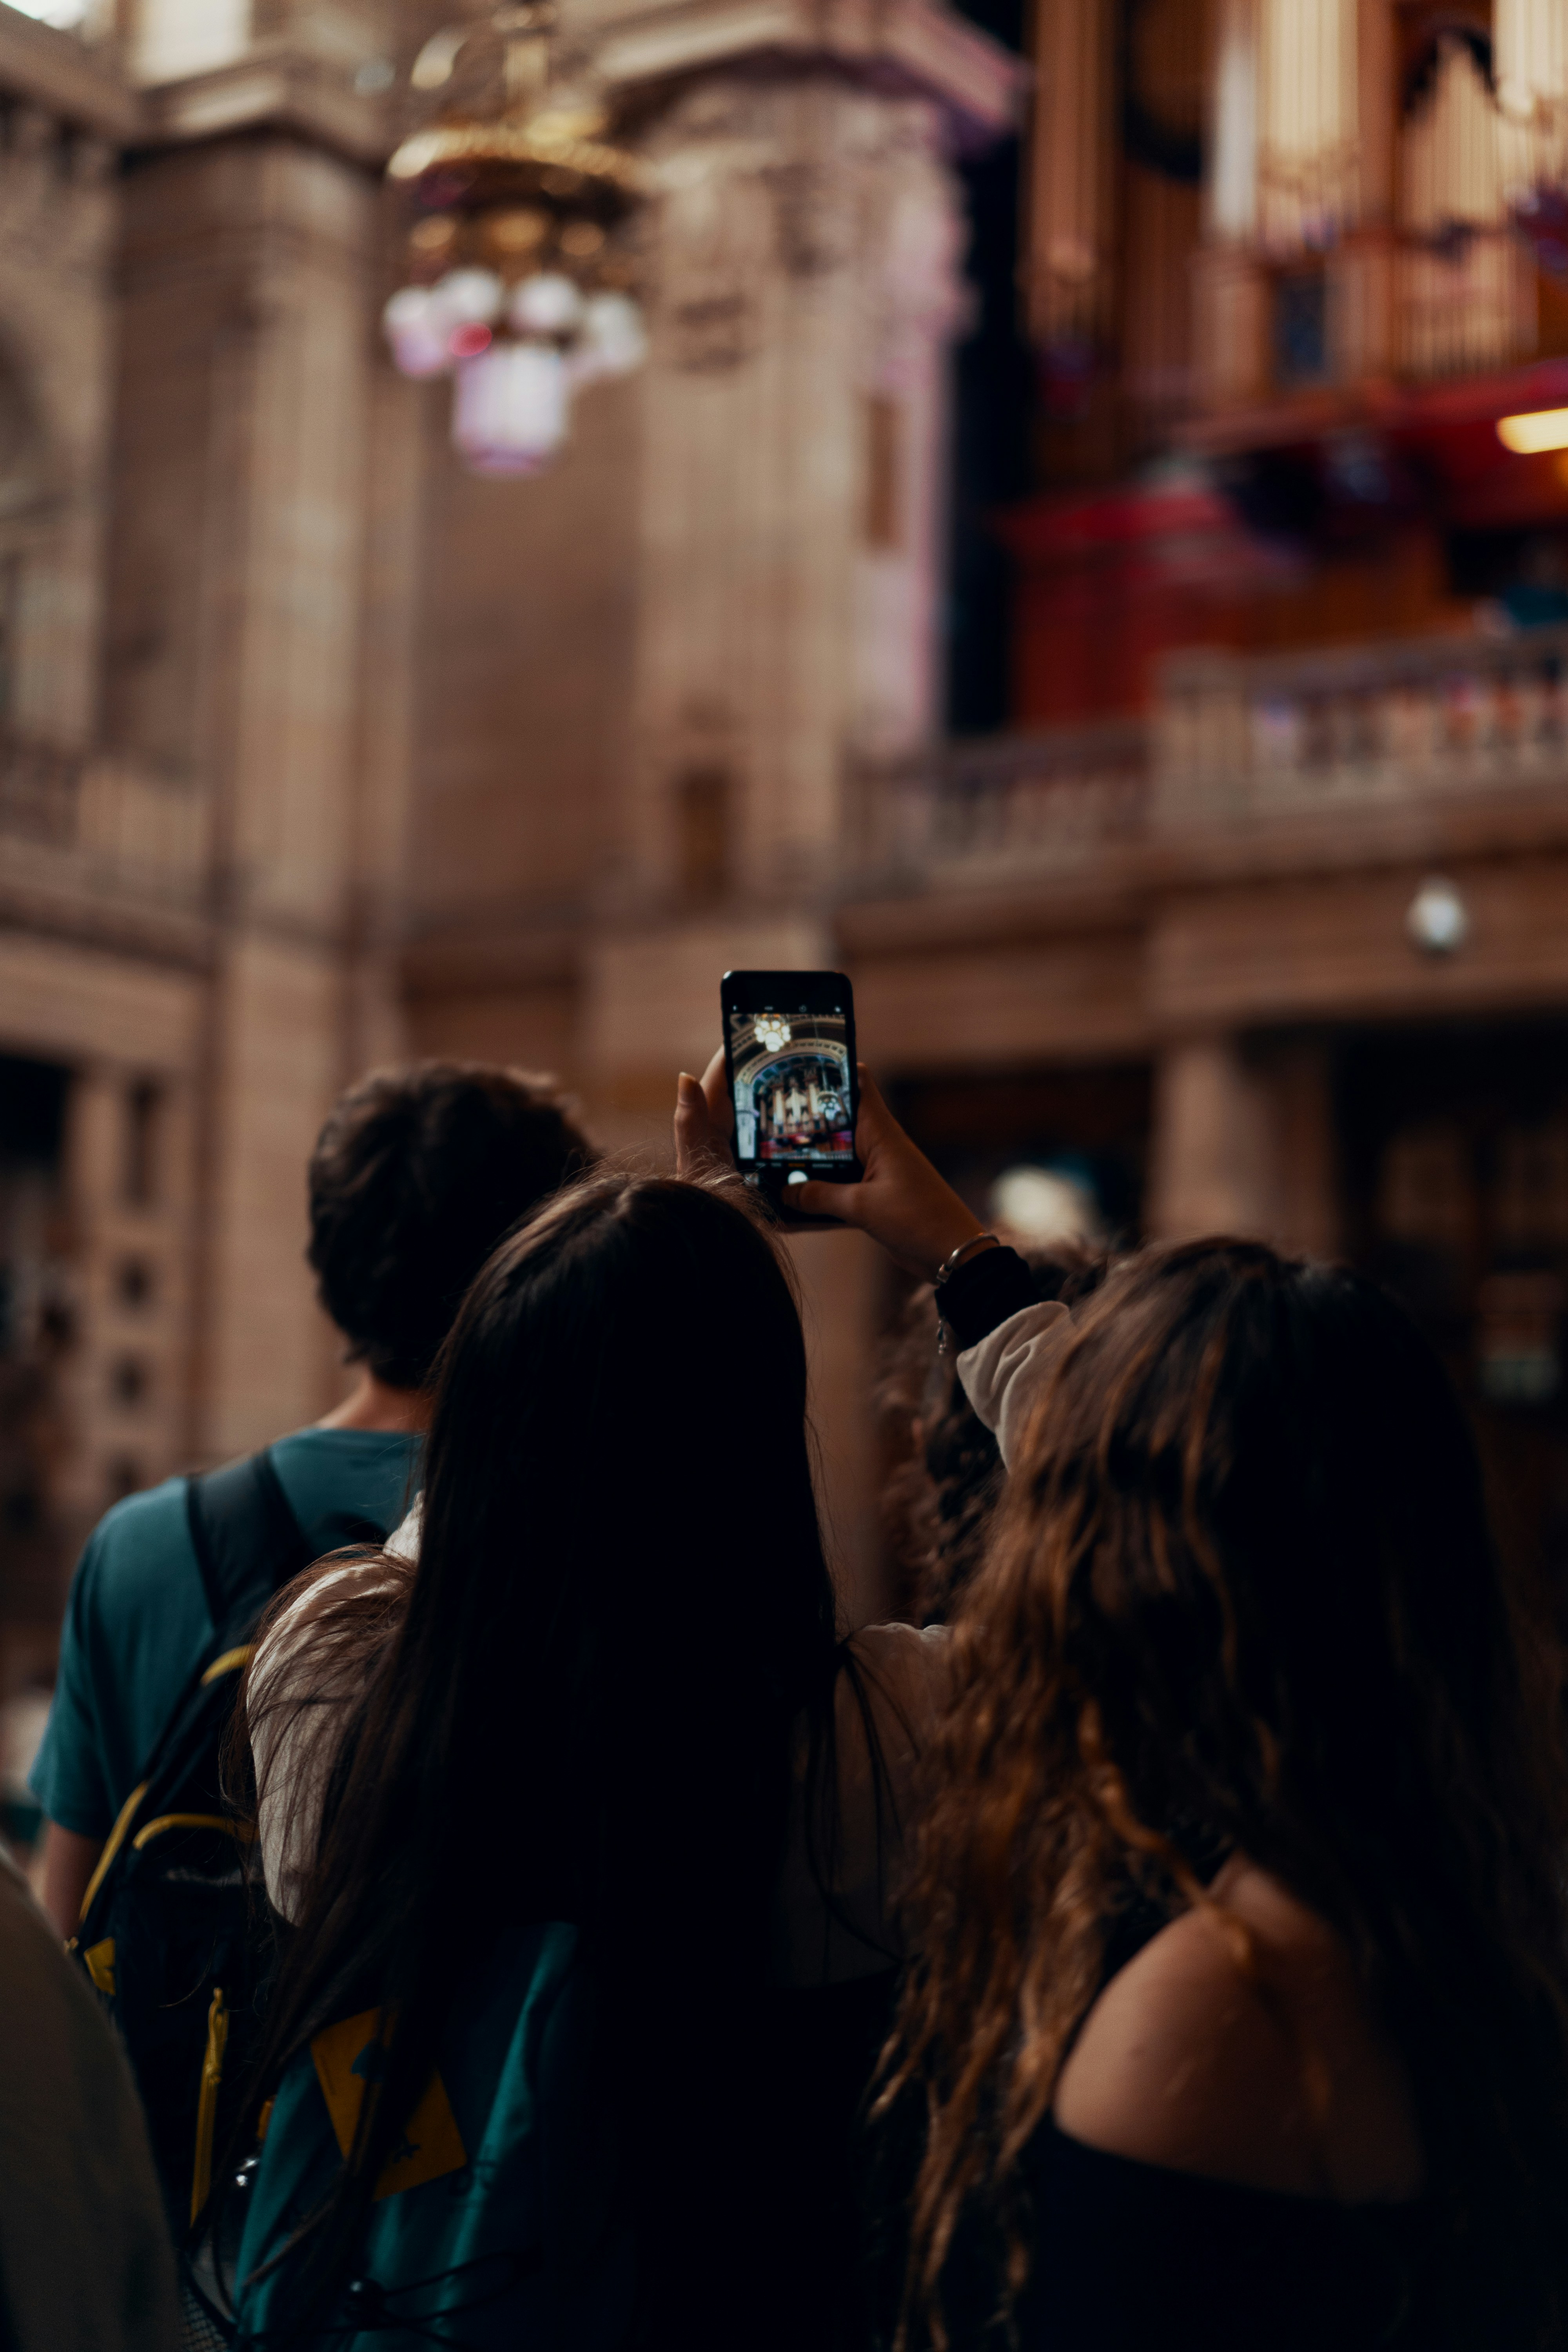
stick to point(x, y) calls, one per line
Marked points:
point(374, 1405)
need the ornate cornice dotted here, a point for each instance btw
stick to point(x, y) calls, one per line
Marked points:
point(917, 47)
point(65, 78)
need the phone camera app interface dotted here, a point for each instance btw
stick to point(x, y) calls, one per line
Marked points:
point(792, 1088)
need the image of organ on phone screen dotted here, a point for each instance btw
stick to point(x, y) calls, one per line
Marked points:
point(792, 1088)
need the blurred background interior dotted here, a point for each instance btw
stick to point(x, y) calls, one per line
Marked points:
point(1030, 508)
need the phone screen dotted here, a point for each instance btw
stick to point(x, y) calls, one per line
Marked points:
point(789, 1041)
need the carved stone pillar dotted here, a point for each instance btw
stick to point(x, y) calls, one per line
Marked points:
point(1212, 1155)
point(803, 254)
point(804, 289)
point(250, 549)
point(803, 266)
point(1243, 1143)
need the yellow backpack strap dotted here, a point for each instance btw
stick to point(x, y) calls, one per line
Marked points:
point(230, 1663)
point(206, 2105)
point(111, 1846)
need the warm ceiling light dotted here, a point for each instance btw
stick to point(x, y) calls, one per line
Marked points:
point(1543, 428)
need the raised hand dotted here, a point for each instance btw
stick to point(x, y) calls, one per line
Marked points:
point(704, 1122)
point(900, 1202)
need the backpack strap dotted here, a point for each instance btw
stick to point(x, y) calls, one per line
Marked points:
point(247, 1544)
point(246, 1540)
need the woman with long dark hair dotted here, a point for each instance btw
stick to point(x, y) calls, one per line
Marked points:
point(601, 1739)
point(1235, 2008)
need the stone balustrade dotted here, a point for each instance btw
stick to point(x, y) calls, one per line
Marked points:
point(143, 826)
point(102, 820)
point(39, 792)
point(1237, 738)
point(1234, 740)
point(1006, 807)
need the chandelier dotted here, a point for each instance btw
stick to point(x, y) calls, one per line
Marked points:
point(772, 1032)
point(520, 283)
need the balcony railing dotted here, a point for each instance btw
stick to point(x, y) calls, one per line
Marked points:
point(1419, 718)
point(144, 828)
point(1235, 740)
point(1004, 808)
point(39, 791)
point(101, 818)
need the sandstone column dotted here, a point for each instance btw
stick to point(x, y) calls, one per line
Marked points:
point(1213, 1157)
point(1243, 1143)
point(804, 255)
point(260, 643)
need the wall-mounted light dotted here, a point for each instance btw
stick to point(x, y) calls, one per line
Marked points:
point(1540, 428)
point(1438, 918)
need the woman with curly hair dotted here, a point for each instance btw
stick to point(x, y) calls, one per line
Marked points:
point(1236, 2009)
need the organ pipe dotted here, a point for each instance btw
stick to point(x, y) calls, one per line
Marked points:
point(1307, 101)
point(1464, 289)
point(1233, 172)
point(1072, 167)
point(1530, 40)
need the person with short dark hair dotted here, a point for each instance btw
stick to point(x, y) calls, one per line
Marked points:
point(417, 1174)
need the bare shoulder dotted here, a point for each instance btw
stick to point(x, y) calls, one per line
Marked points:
point(1238, 2045)
point(905, 1669)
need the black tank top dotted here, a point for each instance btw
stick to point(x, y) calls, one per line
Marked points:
point(1128, 2257)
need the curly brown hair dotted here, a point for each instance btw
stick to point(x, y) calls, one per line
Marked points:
point(942, 1495)
point(1242, 1583)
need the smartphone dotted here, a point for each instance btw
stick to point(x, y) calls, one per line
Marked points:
point(789, 1055)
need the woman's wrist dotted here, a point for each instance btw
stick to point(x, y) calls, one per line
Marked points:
point(989, 1288)
point(961, 1254)
point(942, 1226)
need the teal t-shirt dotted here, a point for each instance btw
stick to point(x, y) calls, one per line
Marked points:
point(137, 1619)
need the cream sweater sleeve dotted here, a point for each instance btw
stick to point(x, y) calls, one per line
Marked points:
point(1002, 1374)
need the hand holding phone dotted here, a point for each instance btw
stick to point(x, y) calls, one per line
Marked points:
point(789, 1045)
point(900, 1199)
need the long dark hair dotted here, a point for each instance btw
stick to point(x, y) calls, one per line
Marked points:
point(579, 1705)
point(1242, 1580)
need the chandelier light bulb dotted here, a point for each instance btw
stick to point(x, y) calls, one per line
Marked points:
point(418, 331)
point(472, 298)
point(549, 304)
point(511, 412)
point(614, 341)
